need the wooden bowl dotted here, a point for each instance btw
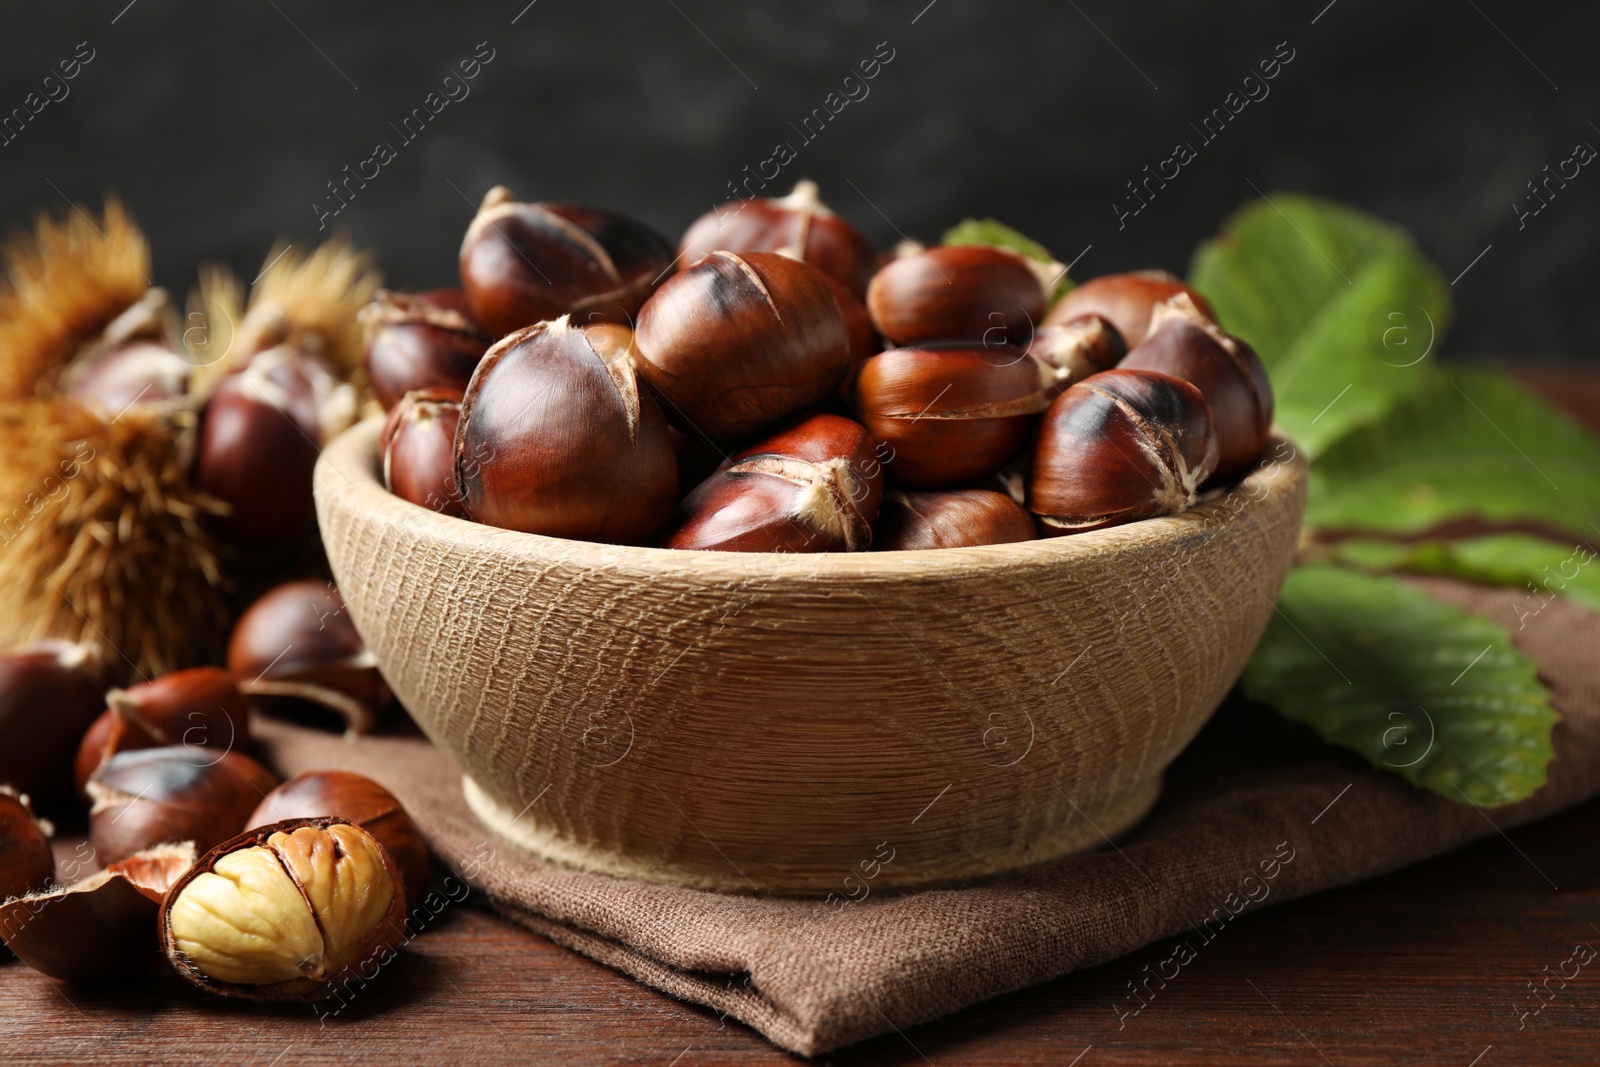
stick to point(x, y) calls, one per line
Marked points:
point(830, 723)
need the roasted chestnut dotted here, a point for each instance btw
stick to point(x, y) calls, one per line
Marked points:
point(298, 645)
point(360, 801)
point(200, 706)
point(800, 224)
point(958, 518)
point(1119, 446)
point(420, 341)
point(735, 343)
point(1184, 342)
point(814, 486)
point(557, 439)
point(959, 293)
point(1125, 299)
point(418, 449)
point(528, 263)
point(50, 693)
point(864, 340)
point(1077, 348)
point(26, 862)
point(951, 413)
point(285, 912)
point(157, 796)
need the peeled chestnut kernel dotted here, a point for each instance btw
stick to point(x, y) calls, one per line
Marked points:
point(156, 796)
point(1077, 348)
point(285, 912)
point(528, 263)
point(420, 341)
point(813, 487)
point(1184, 342)
point(26, 863)
point(951, 413)
point(49, 695)
point(958, 518)
point(418, 449)
point(735, 343)
point(200, 706)
point(357, 800)
point(1120, 446)
point(297, 645)
point(800, 224)
point(960, 293)
point(1126, 299)
point(260, 434)
point(557, 439)
point(102, 927)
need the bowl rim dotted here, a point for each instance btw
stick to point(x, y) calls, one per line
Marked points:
point(347, 480)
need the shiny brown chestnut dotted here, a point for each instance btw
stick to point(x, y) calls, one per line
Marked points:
point(132, 361)
point(103, 927)
point(50, 693)
point(1125, 299)
point(814, 486)
point(260, 434)
point(1184, 342)
point(420, 341)
point(1077, 348)
point(863, 336)
point(200, 706)
point(1120, 446)
point(527, 263)
point(287, 911)
point(26, 862)
point(736, 343)
point(951, 413)
point(156, 796)
point(417, 449)
point(959, 293)
point(958, 518)
point(800, 224)
point(358, 800)
point(557, 439)
point(297, 646)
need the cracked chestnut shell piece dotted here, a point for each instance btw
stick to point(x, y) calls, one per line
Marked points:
point(555, 438)
point(50, 693)
point(950, 413)
point(199, 706)
point(26, 862)
point(420, 341)
point(1127, 300)
point(361, 801)
point(418, 449)
point(102, 927)
point(155, 796)
point(285, 912)
point(1184, 342)
point(527, 263)
point(799, 224)
point(958, 518)
point(1120, 446)
point(1076, 349)
point(815, 486)
point(296, 645)
point(960, 293)
point(736, 343)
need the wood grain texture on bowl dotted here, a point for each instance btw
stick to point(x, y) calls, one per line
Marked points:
point(784, 723)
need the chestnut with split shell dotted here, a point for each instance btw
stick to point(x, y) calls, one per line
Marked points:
point(1127, 300)
point(799, 224)
point(156, 796)
point(285, 912)
point(1119, 446)
point(556, 437)
point(420, 341)
point(736, 343)
point(199, 706)
point(815, 486)
point(957, 518)
point(418, 449)
point(297, 646)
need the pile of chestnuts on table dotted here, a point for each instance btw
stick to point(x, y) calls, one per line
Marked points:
point(775, 385)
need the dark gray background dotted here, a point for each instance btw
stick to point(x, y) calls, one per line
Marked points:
point(221, 123)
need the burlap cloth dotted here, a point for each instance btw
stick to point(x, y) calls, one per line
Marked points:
point(1252, 790)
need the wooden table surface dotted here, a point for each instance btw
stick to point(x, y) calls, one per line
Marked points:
point(1432, 965)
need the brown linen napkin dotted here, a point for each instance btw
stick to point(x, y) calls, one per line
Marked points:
point(1254, 813)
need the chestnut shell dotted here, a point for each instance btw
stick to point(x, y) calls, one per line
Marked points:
point(417, 449)
point(958, 518)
